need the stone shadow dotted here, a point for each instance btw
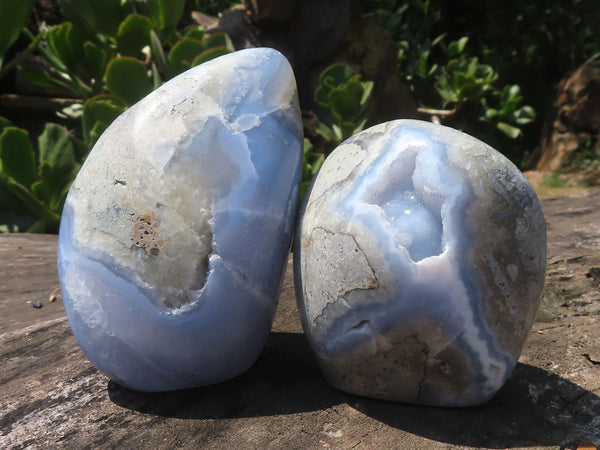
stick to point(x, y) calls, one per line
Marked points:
point(534, 408)
point(284, 380)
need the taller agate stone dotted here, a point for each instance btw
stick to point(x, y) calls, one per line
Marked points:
point(420, 260)
point(175, 234)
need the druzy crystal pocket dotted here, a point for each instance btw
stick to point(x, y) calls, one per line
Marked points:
point(419, 261)
point(176, 232)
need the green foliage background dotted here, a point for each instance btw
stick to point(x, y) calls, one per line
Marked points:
point(488, 68)
point(106, 56)
point(531, 44)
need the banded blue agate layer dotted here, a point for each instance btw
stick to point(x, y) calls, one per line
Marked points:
point(176, 232)
point(419, 260)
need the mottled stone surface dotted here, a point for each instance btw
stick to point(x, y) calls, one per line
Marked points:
point(52, 397)
point(419, 264)
point(175, 234)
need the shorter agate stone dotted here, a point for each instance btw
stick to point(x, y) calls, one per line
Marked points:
point(419, 261)
point(176, 233)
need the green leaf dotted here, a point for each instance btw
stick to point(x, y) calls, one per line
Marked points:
point(490, 113)
point(194, 32)
point(39, 226)
point(159, 55)
point(345, 102)
point(98, 113)
point(333, 77)
point(133, 35)
point(166, 14)
point(336, 74)
point(8, 201)
point(472, 67)
point(338, 133)
point(81, 148)
point(183, 53)
point(17, 156)
point(367, 91)
point(306, 171)
point(524, 115)
point(4, 123)
point(324, 131)
point(42, 189)
point(304, 188)
point(102, 17)
point(510, 99)
point(358, 128)
point(486, 73)
point(127, 79)
point(509, 130)
point(52, 190)
point(455, 48)
point(432, 70)
point(42, 79)
point(96, 60)
point(459, 79)
point(13, 17)
point(58, 152)
point(58, 43)
point(96, 131)
point(36, 207)
point(312, 161)
point(308, 146)
point(219, 40)
point(445, 90)
point(470, 91)
point(156, 78)
point(66, 42)
point(209, 54)
point(421, 62)
point(513, 91)
point(439, 39)
point(345, 97)
point(456, 65)
point(312, 164)
point(322, 96)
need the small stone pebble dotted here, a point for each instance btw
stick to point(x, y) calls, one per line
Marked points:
point(37, 304)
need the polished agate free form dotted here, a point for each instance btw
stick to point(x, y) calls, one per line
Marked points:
point(419, 262)
point(176, 232)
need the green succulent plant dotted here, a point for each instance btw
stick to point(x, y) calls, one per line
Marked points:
point(118, 47)
point(462, 83)
point(344, 97)
point(344, 100)
point(13, 17)
point(34, 182)
point(311, 164)
point(508, 115)
point(106, 56)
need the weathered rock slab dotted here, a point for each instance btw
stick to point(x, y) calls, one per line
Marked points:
point(52, 397)
point(573, 130)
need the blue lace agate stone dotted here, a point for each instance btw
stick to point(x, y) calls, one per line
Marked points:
point(419, 261)
point(176, 232)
